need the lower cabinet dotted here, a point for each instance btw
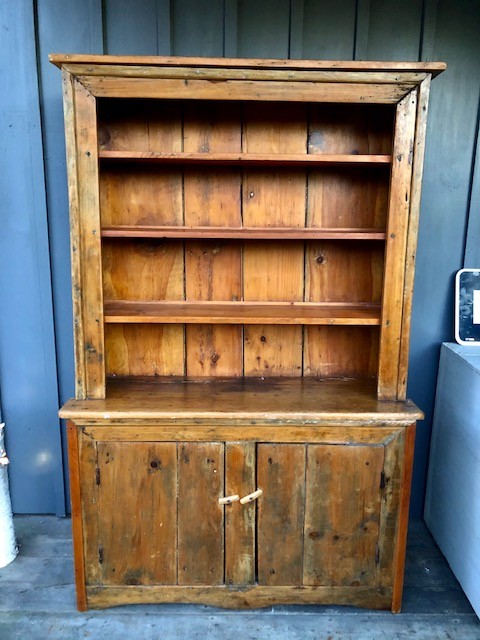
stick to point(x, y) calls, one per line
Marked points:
point(325, 527)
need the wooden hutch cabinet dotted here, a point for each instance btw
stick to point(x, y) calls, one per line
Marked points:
point(243, 243)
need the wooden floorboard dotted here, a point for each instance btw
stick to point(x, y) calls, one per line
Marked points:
point(37, 601)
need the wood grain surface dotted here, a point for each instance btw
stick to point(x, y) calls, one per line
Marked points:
point(256, 399)
point(200, 517)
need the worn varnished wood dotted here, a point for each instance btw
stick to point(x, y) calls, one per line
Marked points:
point(273, 271)
point(140, 194)
point(81, 137)
point(75, 58)
point(89, 490)
point(351, 197)
point(419, 152)
point(200, 517)
point(266, 90)
point(148, 128)
point(73, 204)
point(350, 129)
point(268, 430)
point(144, 350)
point(281, 510)
point(240, 598)
point(240, 474)
point(241, 233)
point(277, 399)
point(333, 352)
point(251, 207)
point(397, 230)
point(89, 242)
point(389, 522)
point(77, 523)
point(263, 159)
point(403, 512)
point(335, 270)
point(213, 269)
point(250, 312)
point(212, 73)
point(342, 514)
point(137, 512)
point(141, 269)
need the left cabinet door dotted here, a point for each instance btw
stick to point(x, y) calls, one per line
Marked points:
point(150, 512)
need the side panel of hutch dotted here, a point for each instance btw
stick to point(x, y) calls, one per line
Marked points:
point(243, 247)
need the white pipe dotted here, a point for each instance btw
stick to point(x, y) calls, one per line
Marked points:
point(8, 546)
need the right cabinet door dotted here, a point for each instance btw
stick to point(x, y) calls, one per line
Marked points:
point(328, 513)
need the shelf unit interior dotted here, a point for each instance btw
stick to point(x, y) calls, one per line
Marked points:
point(243, 239)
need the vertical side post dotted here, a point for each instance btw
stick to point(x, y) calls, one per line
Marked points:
point(418, 156)
point(395, 246)
point(77, 525)
point(83, 188)
point(402, 527)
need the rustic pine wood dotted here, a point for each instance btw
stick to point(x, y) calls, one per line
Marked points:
point(266, 90)
point(127, 470)
point(342, 516)
point(139, 350)
point(262, 159)
point(200, 539)
point(273, 271)
point(401, 534)
point(345, 313)
point(397, 230)
point(213, 270)
point(77, 520)
point(241, 233)
point(241, 598)
point(243, 247)
point(281, 513)
point(60, 59)
point(419, 151)
point(240, 471)
point(334, 401)
point(81, 135)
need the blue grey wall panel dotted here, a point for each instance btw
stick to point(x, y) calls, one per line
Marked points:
point(28, 375)
point(62, 26)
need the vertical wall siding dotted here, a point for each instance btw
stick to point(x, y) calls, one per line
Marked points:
point(28, 376)
point(361, 29)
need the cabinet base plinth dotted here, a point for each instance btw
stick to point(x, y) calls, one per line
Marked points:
point(238, 597)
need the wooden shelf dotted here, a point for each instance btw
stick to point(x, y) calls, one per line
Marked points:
point(242, 233)
point(264, 159)
point(328, 401)
point(312, 313)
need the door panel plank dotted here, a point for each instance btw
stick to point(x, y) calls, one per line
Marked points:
point(200, 517)
point(342, 514)
point(240, 519)
point(137, 512)
point(281, 476)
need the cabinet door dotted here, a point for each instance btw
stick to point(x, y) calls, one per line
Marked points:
point(151, 513)
point(136, 511)
point(320, 514)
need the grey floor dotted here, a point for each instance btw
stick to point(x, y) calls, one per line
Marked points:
point(37, 601)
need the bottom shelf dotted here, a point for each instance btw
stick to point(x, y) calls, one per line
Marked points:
point(262, 400)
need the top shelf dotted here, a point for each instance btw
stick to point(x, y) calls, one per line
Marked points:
point(264, 159)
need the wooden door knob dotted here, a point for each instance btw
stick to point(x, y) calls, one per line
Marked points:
point(251, 497)
point(228, 499)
